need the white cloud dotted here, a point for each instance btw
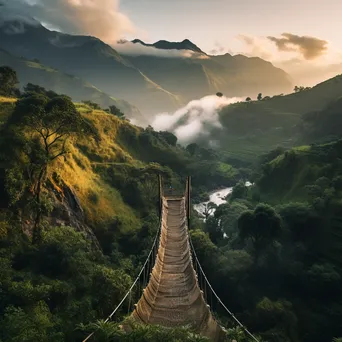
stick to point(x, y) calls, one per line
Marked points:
point(100, 18)
point(131, 49)
point(198, 118)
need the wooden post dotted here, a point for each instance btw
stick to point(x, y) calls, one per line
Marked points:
point(189, 199)
point(160, 195)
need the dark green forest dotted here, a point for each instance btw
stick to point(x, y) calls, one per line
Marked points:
point(79, 213)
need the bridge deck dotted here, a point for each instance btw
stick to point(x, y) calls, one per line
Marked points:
point(172, 297)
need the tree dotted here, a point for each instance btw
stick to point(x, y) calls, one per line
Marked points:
point(116, 111)
point(169, 137)
point(262, 226)
point(209, 209)
point(259, 97)
point(239, 191)
point(192, 149)
point(248, 99)
point(33, 88)
point(92, 105)
point(46, 125)
point(8, 81)
point(301, 88)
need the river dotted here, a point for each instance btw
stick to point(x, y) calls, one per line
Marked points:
point(218, 197)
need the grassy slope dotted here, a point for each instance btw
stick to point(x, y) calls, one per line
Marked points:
point(101, 202)
point(6, 107)
point(95, 169)
point(61, 83)
point(256, 127)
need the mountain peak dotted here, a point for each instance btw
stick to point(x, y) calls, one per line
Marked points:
point(186, 44)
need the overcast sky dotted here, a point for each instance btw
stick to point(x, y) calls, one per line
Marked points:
point(294, 34)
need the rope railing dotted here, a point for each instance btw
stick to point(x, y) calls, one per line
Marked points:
point(199, 267)
point(155, 243)
point(202, 279)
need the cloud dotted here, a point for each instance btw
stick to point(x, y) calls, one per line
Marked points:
point(13, 14)
point(197, 119)
point(99, 18)
point(218, 49)
point(256, 46)
point(309, 47)
point(128, 48)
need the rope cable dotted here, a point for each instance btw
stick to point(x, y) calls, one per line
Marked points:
point(218, 298)
point(131, 288)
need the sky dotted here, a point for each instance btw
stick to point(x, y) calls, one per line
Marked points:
point(209, 21)
point(301, 36)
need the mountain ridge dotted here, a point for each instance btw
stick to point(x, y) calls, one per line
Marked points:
point(153, 83)
point(186, 44)
point(89, 58)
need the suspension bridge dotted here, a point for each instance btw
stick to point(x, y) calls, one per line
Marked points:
point(175, 289)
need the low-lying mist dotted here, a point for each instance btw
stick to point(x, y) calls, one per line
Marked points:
point(197, 119)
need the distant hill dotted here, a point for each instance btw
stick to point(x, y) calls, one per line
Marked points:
point(61, 83)
point(255, 127)
point(90, 59)
point(323, 125)
point(186, 44)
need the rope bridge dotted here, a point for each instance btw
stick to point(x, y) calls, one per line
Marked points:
point(175, 289)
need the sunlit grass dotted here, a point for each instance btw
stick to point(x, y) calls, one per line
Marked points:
point(4, 99)
point(101, 203)
point(36, 65)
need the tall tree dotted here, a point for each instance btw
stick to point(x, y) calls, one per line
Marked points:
point(262, 226)
point(116, 111)
point(47, 126)
point(8, 81)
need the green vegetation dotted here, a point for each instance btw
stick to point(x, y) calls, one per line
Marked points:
point(279, 266)
point(79, 211)
point(252, 128)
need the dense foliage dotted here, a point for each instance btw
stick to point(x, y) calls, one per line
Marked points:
point(279, 267)
point(79, 212)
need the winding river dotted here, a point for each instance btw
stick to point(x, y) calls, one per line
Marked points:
point(218, 197)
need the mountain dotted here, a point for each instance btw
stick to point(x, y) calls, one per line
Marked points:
point(186, 44)
point(52, 79)
point(153, 84)
point(235, 76)
point(90, 59)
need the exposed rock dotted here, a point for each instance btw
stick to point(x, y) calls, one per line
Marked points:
point(68, 210)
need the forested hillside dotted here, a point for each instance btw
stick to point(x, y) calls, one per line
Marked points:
point(79, 210)
point(257, 126)
point(274, 250)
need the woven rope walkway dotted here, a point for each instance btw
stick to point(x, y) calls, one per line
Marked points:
point(172, 297)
